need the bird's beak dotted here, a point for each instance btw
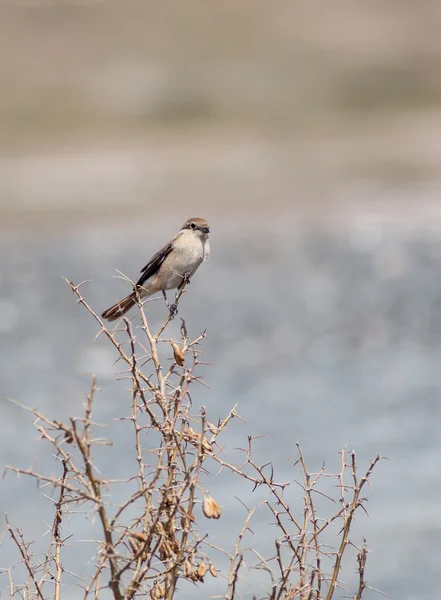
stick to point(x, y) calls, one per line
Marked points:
point(205, 229)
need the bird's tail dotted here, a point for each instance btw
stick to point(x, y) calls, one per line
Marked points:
point(120, 308)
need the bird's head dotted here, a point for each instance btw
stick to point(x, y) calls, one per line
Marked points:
point(197, 225)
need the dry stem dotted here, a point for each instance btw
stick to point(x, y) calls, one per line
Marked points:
point(163, 543)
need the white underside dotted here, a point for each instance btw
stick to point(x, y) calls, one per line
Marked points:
point(189, 251)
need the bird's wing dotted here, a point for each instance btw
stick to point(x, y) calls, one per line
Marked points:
point(155, 263)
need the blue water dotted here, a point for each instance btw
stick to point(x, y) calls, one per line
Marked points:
point(320, 336)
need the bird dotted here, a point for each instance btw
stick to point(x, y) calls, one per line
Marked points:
point(170, 268)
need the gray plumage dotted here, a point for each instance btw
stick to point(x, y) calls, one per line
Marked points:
point(167, 269)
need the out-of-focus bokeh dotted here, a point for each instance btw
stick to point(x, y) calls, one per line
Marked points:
point(308, 134)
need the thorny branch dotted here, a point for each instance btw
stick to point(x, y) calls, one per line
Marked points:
point(154, 537)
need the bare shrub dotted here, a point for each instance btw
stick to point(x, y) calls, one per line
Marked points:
point(152, 540)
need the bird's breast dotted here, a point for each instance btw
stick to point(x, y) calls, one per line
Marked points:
point(189, 256)
point(189, 250)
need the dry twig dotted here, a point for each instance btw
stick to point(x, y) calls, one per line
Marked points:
point(152, 539)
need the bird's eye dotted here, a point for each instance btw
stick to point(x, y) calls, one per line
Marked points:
point(193, 225)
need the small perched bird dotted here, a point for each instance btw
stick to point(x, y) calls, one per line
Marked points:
point(170, 268)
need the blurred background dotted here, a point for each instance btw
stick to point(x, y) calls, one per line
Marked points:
point(308, 134)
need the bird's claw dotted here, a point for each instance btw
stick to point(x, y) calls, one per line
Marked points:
point(173, 308)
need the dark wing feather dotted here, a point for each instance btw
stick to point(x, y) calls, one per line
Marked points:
point(154, 263)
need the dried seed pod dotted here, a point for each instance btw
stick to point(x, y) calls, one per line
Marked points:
point(157, 592)
point(178, 354)
point(68, 437)
point(187, 568)
point(170, 528)
point(191, 436)
point(159, 528)
point(169, 497)
point(134, 545)
point(206, 445)
point(163, 555)
point(141, 537)
point(137, 542)
point(210, 508)
point(166, 550)
point(186, 519)
point(202, 569)
point(154, 593)
point(212, 570)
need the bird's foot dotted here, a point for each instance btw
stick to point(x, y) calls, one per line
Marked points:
point(165, 299)
point(173, 308)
